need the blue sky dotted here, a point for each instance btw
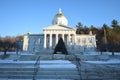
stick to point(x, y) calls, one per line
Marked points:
point(18, 17)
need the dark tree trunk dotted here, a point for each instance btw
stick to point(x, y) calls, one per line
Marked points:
point(5, 52)
point(112, 52)
point(101, 52)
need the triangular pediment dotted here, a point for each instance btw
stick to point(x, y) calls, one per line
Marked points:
point(58, 27)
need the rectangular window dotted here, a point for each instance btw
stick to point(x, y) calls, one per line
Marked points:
point(78, 41)
point(84, 40)
point(90, 40)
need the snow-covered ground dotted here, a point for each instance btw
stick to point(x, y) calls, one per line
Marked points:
point(43, 63)
point(7, 53)
point(99, 53)
point(111, 61)
point(84, 53)
point(21, 53)
point(57, 64)
point(16, 62)
point(114, 60)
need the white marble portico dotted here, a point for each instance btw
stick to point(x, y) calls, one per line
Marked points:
point(53, 33)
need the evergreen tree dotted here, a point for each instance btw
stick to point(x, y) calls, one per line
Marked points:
point(79, 28)
point(116, 26)
point(60, 47)
point(86, 30)
point(114, 23)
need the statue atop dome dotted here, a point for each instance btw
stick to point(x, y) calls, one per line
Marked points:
point(60, 11)
point(60, 19)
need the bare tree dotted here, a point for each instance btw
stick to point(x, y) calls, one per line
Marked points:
point(6, 43)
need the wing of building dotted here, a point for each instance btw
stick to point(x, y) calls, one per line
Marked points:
point(51, 35)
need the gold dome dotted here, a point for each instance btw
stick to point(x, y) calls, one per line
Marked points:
point(60, 19)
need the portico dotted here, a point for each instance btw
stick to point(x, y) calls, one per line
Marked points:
point(53, 33)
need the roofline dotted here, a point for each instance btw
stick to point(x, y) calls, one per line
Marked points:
point(85, 35)
point(59, 25)
point(36, 35)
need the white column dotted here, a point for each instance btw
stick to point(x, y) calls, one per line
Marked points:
point(74, 40)
point(68, 40)
point(45, 40)
point(63, 37)
point(56, 39)
point(50, 41)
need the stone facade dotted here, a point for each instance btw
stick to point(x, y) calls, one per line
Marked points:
point(35, 42)
point(86, 42)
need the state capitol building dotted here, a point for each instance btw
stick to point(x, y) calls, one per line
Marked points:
point(51, 35)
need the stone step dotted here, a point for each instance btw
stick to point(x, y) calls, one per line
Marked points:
point(32, 79)
point(17, 69)
point(16, 66)
point(40, 72)
point(57, 73)
point(16, 76)
point(16, 62)
point(58, 77)
point(54, 61)
point(41, 69)
point(54, 70)
point(17, 72)
point(14, 79)
point(58, 69)
point(58, 66)
point(40, 76)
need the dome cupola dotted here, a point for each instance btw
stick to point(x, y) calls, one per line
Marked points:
point(60, 19)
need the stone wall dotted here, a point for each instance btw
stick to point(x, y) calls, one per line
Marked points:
point(35, 43)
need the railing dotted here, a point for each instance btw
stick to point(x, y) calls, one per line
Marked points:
point(78, 65)
point(36, 67)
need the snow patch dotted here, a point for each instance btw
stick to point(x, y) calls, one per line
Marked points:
point(99, 53)
point(54, 61)
point(111, 61)
point(11, 61)
point(57, 64)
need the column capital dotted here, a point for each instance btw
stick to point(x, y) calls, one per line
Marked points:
point(50, 33)
point(56, 33)
point(69, 34)
point(75, 34)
